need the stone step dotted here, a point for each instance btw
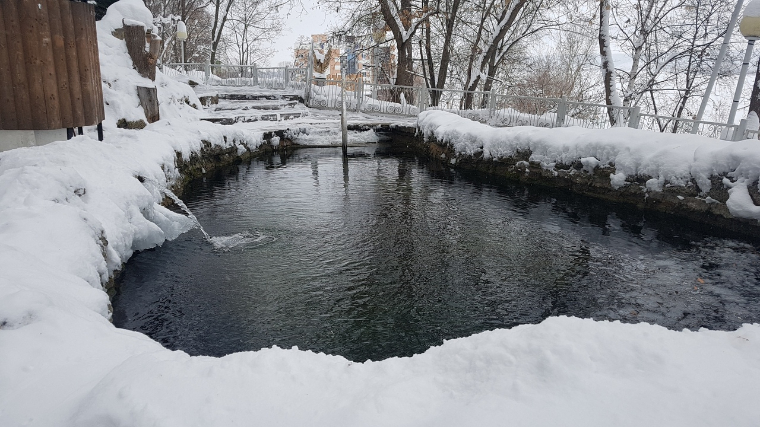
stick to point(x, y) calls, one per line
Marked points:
point(269, 117)
point(251, 105)
point(260, 97)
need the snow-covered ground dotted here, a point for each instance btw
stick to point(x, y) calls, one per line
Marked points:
point(72, 212)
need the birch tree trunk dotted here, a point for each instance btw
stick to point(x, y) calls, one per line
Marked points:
point(608, 66)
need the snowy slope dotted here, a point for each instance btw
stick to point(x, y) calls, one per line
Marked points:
point(71, 212)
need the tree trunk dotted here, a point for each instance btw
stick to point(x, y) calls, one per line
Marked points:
point(446, 53)
point(608, 66)
point(404, 73)
point(144, 62)
point(754, 99)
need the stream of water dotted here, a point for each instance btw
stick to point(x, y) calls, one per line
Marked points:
point(385, 255)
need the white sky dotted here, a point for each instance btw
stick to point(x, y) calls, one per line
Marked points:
point(315, 19)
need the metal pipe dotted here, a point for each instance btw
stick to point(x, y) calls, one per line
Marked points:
point(343, 120)
point(740, 84)
point(716, 67)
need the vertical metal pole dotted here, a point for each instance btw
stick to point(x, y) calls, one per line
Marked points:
point(309, 74)
point(343, 120)
point(718, 62)
point(100, 131)
point(561, 112)
point(740, 84)
point(359, 88)
point(182, 48)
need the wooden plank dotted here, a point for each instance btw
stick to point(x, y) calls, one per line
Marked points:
point(47, 66)
point(79, 13)
point(97, 80)
point(7, 101)
point(59, 60)
point(72, 65)
point(12, 23)
point(32, 62)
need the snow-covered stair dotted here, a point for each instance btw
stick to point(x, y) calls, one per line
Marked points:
point(231, 108)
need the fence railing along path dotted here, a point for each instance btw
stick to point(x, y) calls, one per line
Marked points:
point(486, 107)
point(240, 75)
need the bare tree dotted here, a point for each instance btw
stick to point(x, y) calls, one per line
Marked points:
point(253, 25)
point(194, 14)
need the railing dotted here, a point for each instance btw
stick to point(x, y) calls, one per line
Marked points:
point(366, 97)
point(487, 107)
point(507, 110)
point(239, 75)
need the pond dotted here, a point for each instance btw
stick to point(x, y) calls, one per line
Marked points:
point(383, 254)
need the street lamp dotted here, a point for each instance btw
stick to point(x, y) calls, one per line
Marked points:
point(182, 36)
point(750, 29)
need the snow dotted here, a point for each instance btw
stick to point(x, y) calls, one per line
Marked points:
point(739, 201)
point(752, 9)
point(666, 158)
point(72, 212)
point(132, 10)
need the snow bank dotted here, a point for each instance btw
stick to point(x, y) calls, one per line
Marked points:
point(120, 79)
point(669, 159)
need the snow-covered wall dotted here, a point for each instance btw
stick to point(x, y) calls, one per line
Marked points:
point(644, 165)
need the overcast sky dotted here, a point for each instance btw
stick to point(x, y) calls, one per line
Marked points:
point(314, 20)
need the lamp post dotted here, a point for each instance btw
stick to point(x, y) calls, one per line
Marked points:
point(716, 67)
point(182, 36)
point(750, 29)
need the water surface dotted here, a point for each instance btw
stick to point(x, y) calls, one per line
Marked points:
point(384, 255)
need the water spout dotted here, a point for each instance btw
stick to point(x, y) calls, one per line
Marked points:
point(218, 242)
point(184, 207)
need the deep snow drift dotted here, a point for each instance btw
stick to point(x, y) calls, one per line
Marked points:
point(72, 212)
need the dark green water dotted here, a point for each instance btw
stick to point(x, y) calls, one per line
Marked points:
point(383, 256)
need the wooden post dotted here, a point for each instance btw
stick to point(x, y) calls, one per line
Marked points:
point(149, 101)
point(145, 64)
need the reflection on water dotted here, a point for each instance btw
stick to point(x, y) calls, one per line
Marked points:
point(379, 256)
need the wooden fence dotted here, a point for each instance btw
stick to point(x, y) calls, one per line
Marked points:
point(49, 65)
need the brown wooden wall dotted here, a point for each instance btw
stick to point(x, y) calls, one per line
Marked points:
point(49, 65)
